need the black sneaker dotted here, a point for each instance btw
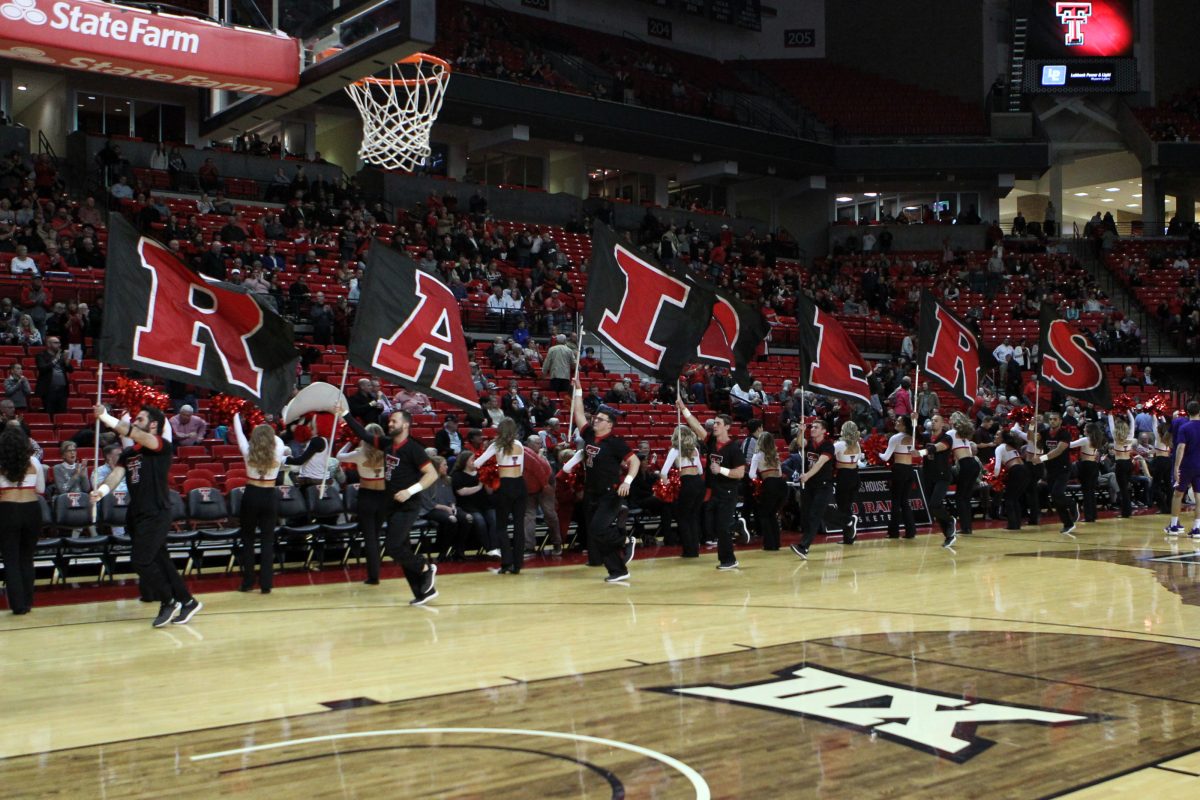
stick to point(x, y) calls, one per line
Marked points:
point(950, 540)
point(730, 565)
point(1068, 530)
point(630, 547)
point(189, 609)
point(850, 535)
point(430, 577)
point(166, 613)
point(423, 598)
point(800, 551)
point(622, 578)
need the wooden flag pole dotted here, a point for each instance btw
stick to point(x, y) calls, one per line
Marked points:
point(578, 358)
point(96, 432)
point(333, 432)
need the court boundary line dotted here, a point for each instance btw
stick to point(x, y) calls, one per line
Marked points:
point(1115, 775)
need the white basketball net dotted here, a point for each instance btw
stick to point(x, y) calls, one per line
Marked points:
point(398, 112)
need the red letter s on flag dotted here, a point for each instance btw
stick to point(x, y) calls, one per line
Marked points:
point(171, 336)
point(1071, 362)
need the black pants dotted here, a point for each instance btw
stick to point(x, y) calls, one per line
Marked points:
point(771, 498)
point(260, 514)
point(964, 491)
point(606, 540)
point(687, 513)
point(452, 536)
point(937, 503)
point(1160, 474)
point(845, 489)
point(1033, 493)
point(18, 540)
point(1056, 482)
point(374, 505)
point(510, 500)
point(1015, 487)
point(54, 401)
point(483, 522)
point(155, 570)
point(903, 476)
point(399, 543)
point(814, 503)
point(1089, 479)
point(1123, 469)
point(718, 518)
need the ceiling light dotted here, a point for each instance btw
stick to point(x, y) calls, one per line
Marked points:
point(91, 97)
point(22, 87)
point(844, 199)
point(1112, 189)
point(910, 208)
point(1138, 196)
point(870, 194)
point(1132, 205)
point(1081, 194)
point(1106, 200)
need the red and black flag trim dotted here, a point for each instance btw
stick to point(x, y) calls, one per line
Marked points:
point(948, 351)
point(1070, 363)
point(733, 336)
point(163, 319)
point(829, 360)
point(653, 316)
point(408, 330)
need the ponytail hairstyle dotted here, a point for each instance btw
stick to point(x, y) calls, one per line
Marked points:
point(1120, 430)
point(506, 436)
point(15, 451)
point(770, 454)
point(850, 434)
point(372, 456)
point(1095, 435)
point(684, 440)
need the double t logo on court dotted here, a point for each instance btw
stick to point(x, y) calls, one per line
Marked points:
point(929, 721)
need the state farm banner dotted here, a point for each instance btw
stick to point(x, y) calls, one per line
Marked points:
point(107, 39)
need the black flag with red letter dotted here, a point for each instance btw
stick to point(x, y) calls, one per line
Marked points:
point(1070, 363)
point(408, 330)
point(829, 360)
point(162, 319)
point(733, 336)
point(948, 350)
point(653, 316)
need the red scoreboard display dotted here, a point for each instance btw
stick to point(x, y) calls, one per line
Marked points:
point(1079, 46)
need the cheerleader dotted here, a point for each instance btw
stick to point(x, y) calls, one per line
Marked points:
point(22, 482)
point(902, 452)
point(1032, 457)
point(512, 495)
point(962, 449)
point(939, 447)
point(374, 503)
point(685, 454)
point(1009, 460)
point(1057, 463)
point(1160, 466)
point(1123, 441)
point(1088, 467)
point(847, 458)
point(264, 454)
point(773, 494)
point(817, 481)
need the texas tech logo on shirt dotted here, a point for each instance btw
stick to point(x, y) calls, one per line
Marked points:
point(940, 723)
point(390, 462)
point(592, 451)
point(133, 468)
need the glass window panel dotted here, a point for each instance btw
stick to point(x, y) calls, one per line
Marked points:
point(174, 124)
point(89, 113)
point(116, 116)
point(147, 120)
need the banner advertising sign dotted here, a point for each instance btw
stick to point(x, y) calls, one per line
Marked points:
point(134, 43)
point(873, 503)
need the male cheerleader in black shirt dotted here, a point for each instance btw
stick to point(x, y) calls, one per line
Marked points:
point(726, 468)
point(145, 467)
point(407, 473)
point(817, 480)
point(605, 490)
point(939, 449)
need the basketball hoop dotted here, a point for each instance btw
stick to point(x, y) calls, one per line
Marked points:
point(398, 111)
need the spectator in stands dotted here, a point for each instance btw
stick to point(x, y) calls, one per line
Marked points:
point(76, 329)
point(1001, 354)
point(233, 231)
point(589, 363)
point(22, 263)
point(71, 475)
point(88, 256)
point(364, 404)
point(187, 428)
point(619, 394)
point(447, 440)
point(1147, 378)
point(491, 411)
point(553, 308)
point(10, 317)
point(27, 333)
point(1129, 380)
point(321, 317)
point(209, 177)
point(121, 190)
point(53, 367)
point(901, 398)
point(112, 458)
point(16, 387)
point(557, 367)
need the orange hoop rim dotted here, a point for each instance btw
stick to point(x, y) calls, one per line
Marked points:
point(415, 58)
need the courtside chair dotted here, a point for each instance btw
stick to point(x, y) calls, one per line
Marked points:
point(329, 505)
point(208, 514)
point(112, 513)
point(49, 543)
point(180, 540)
point(298, 534)
point(73, 515)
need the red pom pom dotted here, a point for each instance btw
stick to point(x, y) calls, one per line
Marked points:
point(489, 475)
point(1021, 415)
point(1123, 403)
point(667, 492)
point(756, 486)
point(989, 476)
point(873, 447)
point(1159, 405)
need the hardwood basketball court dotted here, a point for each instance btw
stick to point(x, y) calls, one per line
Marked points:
point(1022, 665)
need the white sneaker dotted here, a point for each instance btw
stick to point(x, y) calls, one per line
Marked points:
point(493, 553)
